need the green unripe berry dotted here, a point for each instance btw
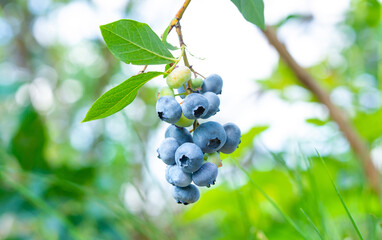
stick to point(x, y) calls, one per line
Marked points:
point(215, 159)
point(196, 83)
point(178, 77)
point(166, 91)
point(184, 122)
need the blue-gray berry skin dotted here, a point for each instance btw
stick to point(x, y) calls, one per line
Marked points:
point(195, 106)
point(233, 138)
point(206, 175)
point(213, 83)
point(181, 90)
point(213, 104)
point(210, 136)
point(181, 134)
point(189, 157)
point(167, 149)
point(168, 109)
point(176, 177)
point(186, 195)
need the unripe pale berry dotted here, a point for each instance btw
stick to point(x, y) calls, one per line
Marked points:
point(196, 83)
point(214, 158)
point(178, 77)
point(166, 91)
point(184, 122)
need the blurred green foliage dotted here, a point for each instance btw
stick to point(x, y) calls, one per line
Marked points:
point(63, 180)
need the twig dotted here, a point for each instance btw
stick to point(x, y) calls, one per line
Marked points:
point(182, 44)
point(143, 70)
point(356, 142)
point(179, 15)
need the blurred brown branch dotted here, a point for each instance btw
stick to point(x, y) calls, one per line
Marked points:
point(356, 142)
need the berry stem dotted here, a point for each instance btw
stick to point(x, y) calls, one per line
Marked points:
point(182, 54)
point(143, 70)
point(195, 125)
point(182, 44)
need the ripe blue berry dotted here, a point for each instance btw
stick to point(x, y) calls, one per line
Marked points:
point(168, 109)
point(181, 90)
point(176, 177)
point(189, 157)
point(195, 106)
point(206, 175)
point(210, 136)
point(178, 77)
point(213, 83)
point(213, 104)
point(179, 133)
point(167, 149)
point(186, 195)
point(233, 138)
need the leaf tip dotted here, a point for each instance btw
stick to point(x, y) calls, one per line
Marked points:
point(85, 120)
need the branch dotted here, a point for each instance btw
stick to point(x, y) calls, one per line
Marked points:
point(356, 142)
point(173, 23)
point(179, 15)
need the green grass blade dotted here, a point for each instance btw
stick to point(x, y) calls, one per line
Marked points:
point(316, 196)
point(341, 199)
point(273, 203)
point(312, 223)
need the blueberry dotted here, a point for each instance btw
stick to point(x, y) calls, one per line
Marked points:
point(168, 109)
point(186, 195)
point(166, 150)
point(214, 158)
point(210, 136)
point(184, 122)
point(178, 77)
point(166, 91)
point(179, 133)
point(195, 106)
point(212, 83)
point(233, 138)
point(206, 175)
point(176, 177)
point(189, 157)
point(196, 83)
point(181, 90)
point(213, 104)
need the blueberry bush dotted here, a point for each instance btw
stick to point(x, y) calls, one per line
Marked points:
point(187, 156)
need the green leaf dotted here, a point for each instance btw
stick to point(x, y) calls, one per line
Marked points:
point(29, 142)
point(252, 11)
point(316, 121)
point(134, 42)
point(164, 40)
point(118, 97)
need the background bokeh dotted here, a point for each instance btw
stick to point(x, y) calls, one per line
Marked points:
point(62, 179)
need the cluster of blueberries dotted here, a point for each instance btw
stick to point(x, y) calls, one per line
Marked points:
point(193, 158)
